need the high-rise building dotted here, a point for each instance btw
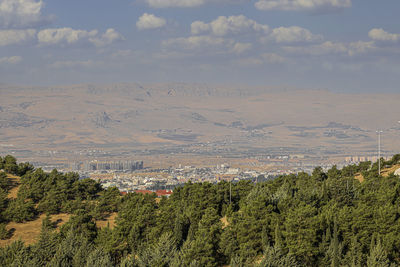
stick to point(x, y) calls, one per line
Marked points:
point(95, 165)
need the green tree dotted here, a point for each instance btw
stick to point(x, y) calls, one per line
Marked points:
point(335, 250)
point(9, 253)
point(47, 245)
point(20, 210)
point(377, 255)
point(99, 258)
point(4, 233)
point(111, 243)
point(275, 257)
point(135, 220)
point(24, 168)
point(82, 224)
point(10, 165)
point(160, 254)
point(4, 181)
point(72, 251)
point(204, 247)
point(301, 228)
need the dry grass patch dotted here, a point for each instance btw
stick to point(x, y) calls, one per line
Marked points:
point(359, 177)
point(386, 172)
point(15, 183)
point(109, 221)
point(29, 232)
point(225, 222)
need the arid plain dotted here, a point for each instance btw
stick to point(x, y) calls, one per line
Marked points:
point(177, 119)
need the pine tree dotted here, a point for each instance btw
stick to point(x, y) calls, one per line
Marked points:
point(204, 248)
point(160, 254)
point(265, 238)
point(4, 233)
point(377, 255)
point(25, 257)
point(72, 251)
point(355, 252)
point(236, 261)
point(335, 253)
point(99, 258)
point(128, 262)
point(278, 237)
point(275, 257)
point(47, 224)
point(47, 245)
point(9, 253)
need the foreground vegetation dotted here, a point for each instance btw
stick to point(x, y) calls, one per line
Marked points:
point(327, 218)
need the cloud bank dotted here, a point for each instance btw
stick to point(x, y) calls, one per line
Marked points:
point(21, 14)
point(12, 37)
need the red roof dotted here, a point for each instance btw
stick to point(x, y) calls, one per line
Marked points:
point(163, 193)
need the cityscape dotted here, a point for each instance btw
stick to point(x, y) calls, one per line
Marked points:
point(134, 175)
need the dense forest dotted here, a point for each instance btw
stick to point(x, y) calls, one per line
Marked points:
point(323, 219)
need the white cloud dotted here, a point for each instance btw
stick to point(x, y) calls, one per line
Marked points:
point(196, 42)
point(107, 38)
point(296, 5)
point(21, 13)
point(293, 34)
point(360, 47)
point(220, 36)
point(70, 36)
point(9, 37)
point(382, 35)
point(199, 27)
point(228, 25)
point(150, 21)
point(10, 60)
point(64, 35)
point(239, 48)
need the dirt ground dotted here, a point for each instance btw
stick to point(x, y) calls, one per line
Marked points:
point(29, 232)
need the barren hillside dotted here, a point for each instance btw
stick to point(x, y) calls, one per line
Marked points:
point(192, 117)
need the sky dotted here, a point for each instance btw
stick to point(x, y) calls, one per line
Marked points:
point(340, 45)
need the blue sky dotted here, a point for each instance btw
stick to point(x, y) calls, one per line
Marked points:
point(341, 45)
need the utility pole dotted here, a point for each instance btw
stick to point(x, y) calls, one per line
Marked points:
point(379, 150)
